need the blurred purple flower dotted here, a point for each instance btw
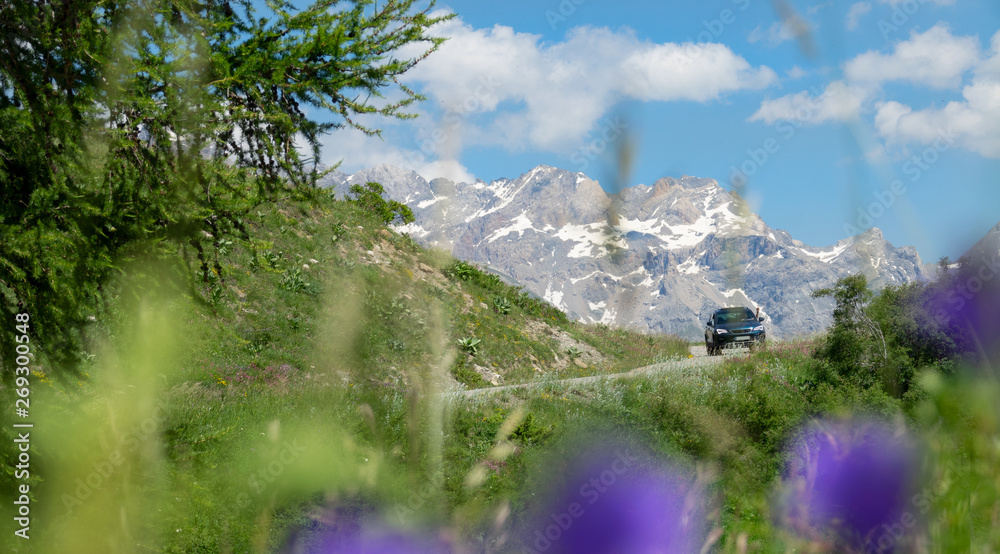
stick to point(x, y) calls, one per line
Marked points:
point(381, 543)
point(613, 502)
point(967, 300)
point(851, 483)
point(351, 525)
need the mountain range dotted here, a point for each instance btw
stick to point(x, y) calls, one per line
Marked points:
point(655, 257)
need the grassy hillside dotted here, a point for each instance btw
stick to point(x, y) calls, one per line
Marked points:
point(302, 393)
point(323, 310)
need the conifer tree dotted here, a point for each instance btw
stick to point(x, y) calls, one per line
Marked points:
point(135, 125)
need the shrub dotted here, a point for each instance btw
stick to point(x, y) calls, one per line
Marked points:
point(369, 198)
point(883, 339)
point(856, 344)
point(464, 271)
point(469, 345)
point(529, 431)
point(292, 281)
point(501, 305)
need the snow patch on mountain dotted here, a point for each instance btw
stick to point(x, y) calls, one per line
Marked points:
point(824, 256)
point(519, 225)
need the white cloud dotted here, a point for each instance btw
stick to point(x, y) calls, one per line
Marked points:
point(973, 122)
point(813, 10)
point(359, 151)
point(990, 67)
point(934, 58)
point(777, 33)
point(838, 102)
point(796, 73)
point(876, 154)
point(791, 26)
point(668, 72)
point(550, 95)
point(855, 12)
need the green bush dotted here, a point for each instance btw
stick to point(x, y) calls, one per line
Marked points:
point(470, 273)
point(370, 198)
point(501, 305)
point(531, 432)
point(855, 344)
point(884, 339)
point(469, 345)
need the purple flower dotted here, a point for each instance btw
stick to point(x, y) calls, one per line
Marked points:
point(967, 300)
point(381, 543)
point(352, 529)
point(613, 501)
point(851, 483)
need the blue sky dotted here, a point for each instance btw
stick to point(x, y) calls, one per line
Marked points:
point(828, 116)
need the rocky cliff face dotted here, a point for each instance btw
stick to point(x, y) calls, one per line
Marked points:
point(658, 257)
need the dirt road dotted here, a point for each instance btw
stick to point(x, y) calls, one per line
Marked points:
point(699, 357)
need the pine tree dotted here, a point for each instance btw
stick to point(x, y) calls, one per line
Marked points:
point(136, 124)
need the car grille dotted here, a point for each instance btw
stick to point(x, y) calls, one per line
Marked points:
point(746, 331)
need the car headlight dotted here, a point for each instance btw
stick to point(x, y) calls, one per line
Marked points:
point(721, 331)
point(758, 328)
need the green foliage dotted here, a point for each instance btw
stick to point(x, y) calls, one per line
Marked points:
point(469, 345)
point(151, 129)
point(462, 271)
point(215, 294)
point(886, 338)
point(467, 376)
point(855, 344)
point(531, 432)
point(272, 259)
point(961, 428)
point(406, 242)
point(501, 305)
point(491, 283)
point(293, 281)
point(370, 198)
point(338, 231)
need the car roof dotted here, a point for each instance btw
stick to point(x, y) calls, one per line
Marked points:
point(729, 310)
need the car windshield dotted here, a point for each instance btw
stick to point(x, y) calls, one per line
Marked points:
point(731, 315)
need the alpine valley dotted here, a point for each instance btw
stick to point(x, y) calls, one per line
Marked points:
point(658, 257)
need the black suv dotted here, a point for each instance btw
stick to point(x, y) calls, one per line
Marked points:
point(733, 326)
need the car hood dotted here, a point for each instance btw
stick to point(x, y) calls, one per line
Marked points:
point(747, 323)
